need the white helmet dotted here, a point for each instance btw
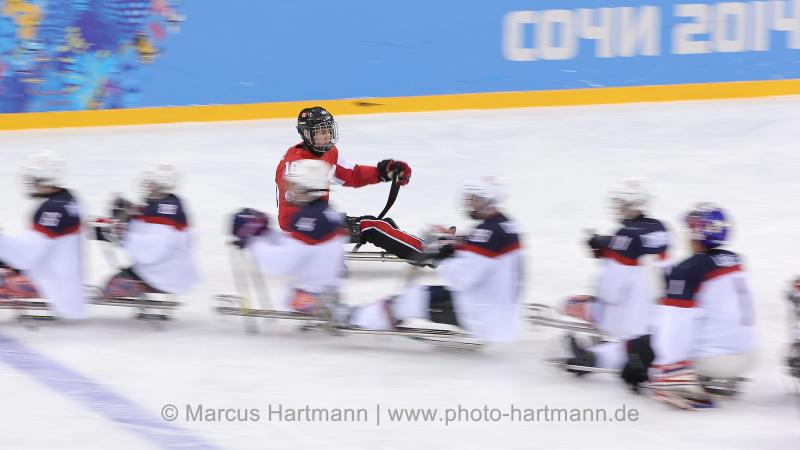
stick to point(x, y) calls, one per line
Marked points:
point(482, 194)
point(158, 181)
point(308, 179)
point(631, 195)
point(43, 169)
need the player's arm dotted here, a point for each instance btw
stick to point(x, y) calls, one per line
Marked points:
point(676, 313)
point(360, 175)
point(656, 243)
point(355, 175)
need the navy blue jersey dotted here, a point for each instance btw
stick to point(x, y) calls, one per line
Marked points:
point(687, 277)
point(58, 215)
point(166, 211)
point(494, 237)
point(316, 223)
point(638, 237)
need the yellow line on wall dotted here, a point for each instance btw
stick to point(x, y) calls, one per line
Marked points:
point(492, 100)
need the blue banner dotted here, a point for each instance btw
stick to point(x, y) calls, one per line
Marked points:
point(95, 54)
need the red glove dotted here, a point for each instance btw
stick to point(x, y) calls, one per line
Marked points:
point(389, 169)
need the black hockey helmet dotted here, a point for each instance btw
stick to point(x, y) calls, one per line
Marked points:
point(318, 129)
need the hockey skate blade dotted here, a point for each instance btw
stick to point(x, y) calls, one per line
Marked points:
point(374, 256)
point(562, 364)
point(133, 302)
point(24, 304)
point(263, 313)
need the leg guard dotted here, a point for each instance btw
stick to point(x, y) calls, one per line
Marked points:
point(640, 357)
point(382, 234)
point(581, 357)
point(441, 308)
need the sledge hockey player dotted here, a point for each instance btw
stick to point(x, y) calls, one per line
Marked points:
point(704, 326)
point(319, 132)
point(45, 262)
point(310, 251)
point(632, 262)
point(156, 236)
point(483, 274)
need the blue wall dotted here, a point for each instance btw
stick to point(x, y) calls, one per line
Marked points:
point(251, 51)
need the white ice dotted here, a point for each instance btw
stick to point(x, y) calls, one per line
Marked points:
point(559, 164)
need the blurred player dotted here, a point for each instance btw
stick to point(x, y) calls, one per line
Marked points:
point(793, 356)
point(320, 133)
point(310, 250)
point(45, 262)
point(626, 288)
point(703, 327)
point(483, 275)
point(156, 236)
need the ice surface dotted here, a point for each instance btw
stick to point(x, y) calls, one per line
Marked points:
point(559, 164)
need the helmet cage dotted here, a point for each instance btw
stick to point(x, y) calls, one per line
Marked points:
point(320, 137)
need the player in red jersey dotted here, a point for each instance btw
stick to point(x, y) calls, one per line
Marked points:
point(319, 132)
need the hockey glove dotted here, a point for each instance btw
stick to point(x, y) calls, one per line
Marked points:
point(109, 230)
point(677, 385)
point(123, 210)
point(598, 243)
point(640, 357)
point(248, 223)
point(389, 169)
point(439, 243)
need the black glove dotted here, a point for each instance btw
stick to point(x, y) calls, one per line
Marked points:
point(123, 210)
point(640, 358)
point(598, 243)
point(389, 169)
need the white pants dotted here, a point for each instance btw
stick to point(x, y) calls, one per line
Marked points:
point(724, 366)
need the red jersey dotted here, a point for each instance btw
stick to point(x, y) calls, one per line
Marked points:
point(344, 173)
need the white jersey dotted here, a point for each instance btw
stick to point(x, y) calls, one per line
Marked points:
point(626, 289)
point(49, 255)
point(485, 278)
point(160, 244)
point(310, 253)
point(708, 310)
